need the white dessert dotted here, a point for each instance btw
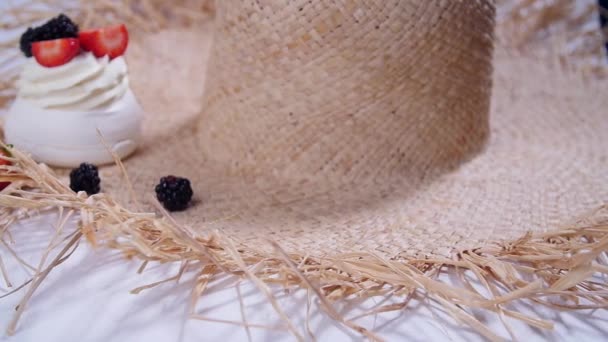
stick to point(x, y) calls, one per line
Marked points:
point(59, 111)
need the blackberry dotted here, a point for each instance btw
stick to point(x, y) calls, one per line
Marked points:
point(174, 193)
point(85, 178)
point(25, 43)
point(59, 27)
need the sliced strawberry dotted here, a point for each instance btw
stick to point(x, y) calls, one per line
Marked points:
point(86, 39)
point(4, 162)
point(111, 41)
point(52, 53)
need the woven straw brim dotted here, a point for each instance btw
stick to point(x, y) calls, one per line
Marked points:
point(544, 164)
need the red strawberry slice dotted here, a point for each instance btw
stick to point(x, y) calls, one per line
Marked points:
point(52, 53)
point(111, 41)
point(4, 162)
point(86, 39)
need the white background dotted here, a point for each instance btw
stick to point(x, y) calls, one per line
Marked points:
point(87, 299)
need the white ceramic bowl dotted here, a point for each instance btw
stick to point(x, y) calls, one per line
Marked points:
point(66, 139)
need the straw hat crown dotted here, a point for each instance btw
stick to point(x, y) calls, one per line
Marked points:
point(329, 91)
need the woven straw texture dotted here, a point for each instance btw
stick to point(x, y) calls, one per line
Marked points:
point(358, 131)
point(360, 127)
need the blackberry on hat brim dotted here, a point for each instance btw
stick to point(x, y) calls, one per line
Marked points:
point(174, 193)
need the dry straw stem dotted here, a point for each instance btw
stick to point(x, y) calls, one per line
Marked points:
point(553, 269)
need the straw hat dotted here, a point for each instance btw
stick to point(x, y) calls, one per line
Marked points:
point(355, 148)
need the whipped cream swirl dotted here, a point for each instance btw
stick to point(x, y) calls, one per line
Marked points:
point(85, 83)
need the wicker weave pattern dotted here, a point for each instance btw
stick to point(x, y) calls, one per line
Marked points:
point(387, 147)
point(334, 92)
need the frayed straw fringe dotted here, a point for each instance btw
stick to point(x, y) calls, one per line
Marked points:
point(554, 265)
